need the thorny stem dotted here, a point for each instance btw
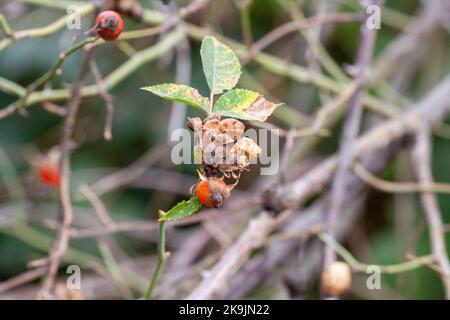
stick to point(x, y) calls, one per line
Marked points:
point(161, 260)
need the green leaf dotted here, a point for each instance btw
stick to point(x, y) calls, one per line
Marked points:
point(180, 93)
point(220, 65)
point(245, 105)
point(182, 210)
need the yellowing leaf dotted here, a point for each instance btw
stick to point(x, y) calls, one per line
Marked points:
point(220, 65)
point(182, 210)
point(245, 105)
point(180, 93)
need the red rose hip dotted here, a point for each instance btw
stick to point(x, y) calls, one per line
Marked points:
point(212, 192)
point(49, 174)
point(109, 25)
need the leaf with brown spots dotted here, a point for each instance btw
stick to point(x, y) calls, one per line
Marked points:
point(245, 105)
point(180, 93)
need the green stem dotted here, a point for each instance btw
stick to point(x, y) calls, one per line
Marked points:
point(55, 4)
point(11, 87)
point(246, 23)
point(161, 260)
point(85, 9)
point(114, 269)
point(362, 267)
point(54, 71)
point(118, 75)
point(5, 26)
point(211, 102)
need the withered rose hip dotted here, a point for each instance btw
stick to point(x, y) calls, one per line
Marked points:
point(336, 278)
point(212, 192)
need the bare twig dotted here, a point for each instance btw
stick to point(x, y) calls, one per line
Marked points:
point(56, 69)
point(145, 226)
point(253, 237)
point(217, 233)
point(293, 194)
point(124, 176)
point(22, 278)
point(63, 234)
point(54, 108)
point(246, 25)
point(100, 209)
point(10, 109)
point(107, 131)
point(350, 132)
point(398, 187)
point(293, 26)
point(290, 195)
point(362, 267)
point(419, 29)
point(422, 160)
point(183, 76)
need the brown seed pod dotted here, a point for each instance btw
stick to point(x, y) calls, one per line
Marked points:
point(232, 127)
point(336, 278)
point(211, 123)
point(245, 150)
point(194, 123)
point(223, 138)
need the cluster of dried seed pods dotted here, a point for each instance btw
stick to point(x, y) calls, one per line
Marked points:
point(223, 151)
point(221, 145)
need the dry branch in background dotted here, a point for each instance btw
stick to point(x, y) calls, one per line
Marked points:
point(293, 194)
point(232, 270)
point(63, 233)
point(349, 133)
point(422, 162)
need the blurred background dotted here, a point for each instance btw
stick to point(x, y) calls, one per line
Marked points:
point(133, 174)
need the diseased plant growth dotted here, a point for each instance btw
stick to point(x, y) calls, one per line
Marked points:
point(220, 145)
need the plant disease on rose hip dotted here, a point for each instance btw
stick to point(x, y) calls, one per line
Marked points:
point(220, 147)
point(224, 152)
